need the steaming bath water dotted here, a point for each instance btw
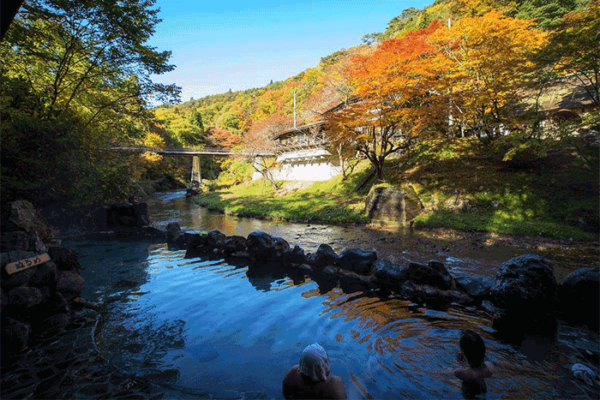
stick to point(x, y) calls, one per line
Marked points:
point(202, 328)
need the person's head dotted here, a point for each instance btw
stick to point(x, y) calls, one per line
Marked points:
point(472, 346)
point(314, 363)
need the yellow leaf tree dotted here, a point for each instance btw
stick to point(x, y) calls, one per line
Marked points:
point(488, 62)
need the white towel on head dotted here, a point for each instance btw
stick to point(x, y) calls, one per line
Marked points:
point(584, 373)
point(314, 362)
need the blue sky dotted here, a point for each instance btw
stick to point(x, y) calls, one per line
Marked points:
point(222, 45)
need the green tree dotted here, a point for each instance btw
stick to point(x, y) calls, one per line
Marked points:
point(574, 48)
point(86, 56)
point(546, 13)
point(196, 119)
point(76, 76)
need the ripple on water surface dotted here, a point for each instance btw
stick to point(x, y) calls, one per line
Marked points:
point(204, 329)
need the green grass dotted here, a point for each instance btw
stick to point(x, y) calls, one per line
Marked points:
point(330, 201)
point(501, 222)
point(549, 198)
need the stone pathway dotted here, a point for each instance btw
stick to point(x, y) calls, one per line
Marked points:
point(65, 364)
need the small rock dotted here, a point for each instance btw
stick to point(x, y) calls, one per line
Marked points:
point(477, 287)
point(325, 256)
point(56, 321)
point(35, 243)
point(455, 296)
point(173, 231)
point(357, 260)
point(427, 275)
point(15, 241)
point(85, 313)
point(490, 308)
point(234, 244)
point(45, 276)
point(70, 285)
point(578, 297)
point(57, 304)
point(295, 255)
point(215, 239)
point(66, 259)
point(15, 335)
point(25, 297)
point(390, 274)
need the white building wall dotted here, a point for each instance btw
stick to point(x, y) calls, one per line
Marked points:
point(305, 165)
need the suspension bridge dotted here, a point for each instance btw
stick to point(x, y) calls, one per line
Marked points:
point(196, 176)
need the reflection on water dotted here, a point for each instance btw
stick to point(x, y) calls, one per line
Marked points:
point(202, 328)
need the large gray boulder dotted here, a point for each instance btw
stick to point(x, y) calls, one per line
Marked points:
point(397, 205)
point(357, 260)
point(24, 217)
point(579, 297)
point(525, 285)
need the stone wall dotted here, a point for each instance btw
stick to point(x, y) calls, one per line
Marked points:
point(524, 294)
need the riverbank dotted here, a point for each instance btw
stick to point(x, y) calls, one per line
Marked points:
point(462, 185)
point(422, 243)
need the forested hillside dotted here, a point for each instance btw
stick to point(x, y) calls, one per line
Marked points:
point(530, 34)
point(75, 80)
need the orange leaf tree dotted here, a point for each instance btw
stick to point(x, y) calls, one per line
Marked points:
point(395, 98)
point(488, 63)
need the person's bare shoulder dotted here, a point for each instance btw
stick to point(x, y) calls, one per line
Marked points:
point(290, 382)
point(490, 367)
point(335, 387)
point(462, 373)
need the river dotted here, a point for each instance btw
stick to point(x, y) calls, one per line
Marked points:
point(201, 328)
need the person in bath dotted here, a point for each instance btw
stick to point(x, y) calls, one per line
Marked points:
point(472, 350)
point(310, 378)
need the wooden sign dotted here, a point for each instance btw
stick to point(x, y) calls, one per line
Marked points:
point(26, 263)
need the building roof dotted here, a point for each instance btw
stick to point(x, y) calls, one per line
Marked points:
point(299, 129)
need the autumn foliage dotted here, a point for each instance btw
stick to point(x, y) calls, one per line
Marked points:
point(469, 71)
point(487, 61)
point(395, 100)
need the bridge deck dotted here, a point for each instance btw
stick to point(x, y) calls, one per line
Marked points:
point(207, 151)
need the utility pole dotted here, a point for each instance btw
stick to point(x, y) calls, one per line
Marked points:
point(450, 119)
point(294, 110)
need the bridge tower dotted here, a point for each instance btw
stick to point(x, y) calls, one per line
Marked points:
point(196, 173)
